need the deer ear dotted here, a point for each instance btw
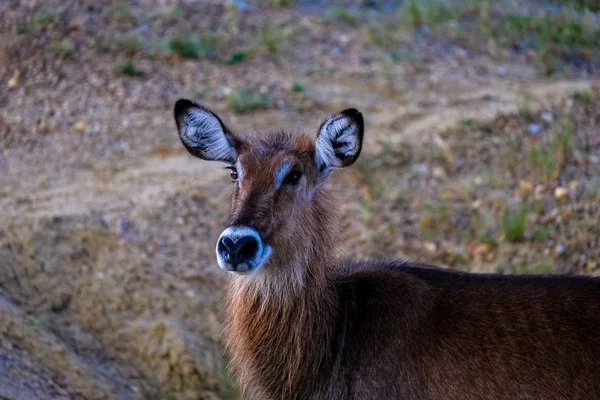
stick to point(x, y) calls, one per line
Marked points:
point(203, 133)
point(339, 141)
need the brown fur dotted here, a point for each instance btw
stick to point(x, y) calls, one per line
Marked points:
point(309, 326)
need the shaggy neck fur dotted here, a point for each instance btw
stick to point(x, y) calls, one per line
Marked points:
point(280, 322)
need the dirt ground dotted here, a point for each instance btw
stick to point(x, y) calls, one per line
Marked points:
point(482, 153)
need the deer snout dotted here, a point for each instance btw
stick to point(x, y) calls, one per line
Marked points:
point(240, 249)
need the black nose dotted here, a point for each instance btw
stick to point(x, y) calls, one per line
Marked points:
point(239, 250)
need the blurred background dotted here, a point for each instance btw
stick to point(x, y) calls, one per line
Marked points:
point(482, 154)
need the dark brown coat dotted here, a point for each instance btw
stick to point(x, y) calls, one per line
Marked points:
point(309, 326)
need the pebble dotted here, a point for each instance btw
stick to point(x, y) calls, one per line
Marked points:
point(79, 127)
point(534, 128)
point(573, 185)
point(422, 169)
point(13, 82)
point(430, 247)
point(525, 186)
point(539, 189)
point(561, 193)
point(462, 53)
point(438, 173)
point(559, 249)
point(547, 116)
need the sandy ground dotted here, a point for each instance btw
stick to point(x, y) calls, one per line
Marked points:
point(108, 285)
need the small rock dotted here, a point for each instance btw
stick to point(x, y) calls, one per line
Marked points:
point(426, 221)
point(263, 89)
point(559, 249)
point(476, 204)
point(79, 127)
point(525, 186)
point(438, 173)
point(539, 190)
point(547, 116)
point(561, 193)
point(13, 82)
point(501, 70)
point(422, 169)
point(76, 24)
point(239, 4)
point(462, 53)
point(573, 185)
point(478, 249)
point(446, 151)
point(425, 29)
point(534, 128)
point(430, 247)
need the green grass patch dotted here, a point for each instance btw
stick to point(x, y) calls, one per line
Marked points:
point(563, 143)
point(130, 42)
point(245, 100)
point(277, 3)
point(555, 38)
point(542, 162)
point(514, 224)
point(346, 16)
point(297, 87)
point(130, 69)
point(193, 46)
point(542, 266)
point(65, 48)
point(583, 97)
point(44, 19)
point(432, 13)
point(593, 5)
point(550, 41)
point(273, 37)
point(525, 113)
point(237, 57)
point(541, 234)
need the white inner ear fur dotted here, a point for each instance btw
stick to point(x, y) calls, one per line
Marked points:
point(337, 137)
point(202, 130)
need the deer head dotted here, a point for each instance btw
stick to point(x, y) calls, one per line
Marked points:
point(279, 211)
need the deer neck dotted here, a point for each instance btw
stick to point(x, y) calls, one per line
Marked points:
point(279, 330)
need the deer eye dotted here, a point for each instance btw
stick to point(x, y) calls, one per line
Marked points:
point(233, 172)
point(292, 178)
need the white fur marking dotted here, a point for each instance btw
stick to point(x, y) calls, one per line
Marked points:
point(240, 171)
point(281, 174)
point(340, 132)
point(203, 130)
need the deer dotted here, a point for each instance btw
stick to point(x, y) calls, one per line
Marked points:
point(302, 322)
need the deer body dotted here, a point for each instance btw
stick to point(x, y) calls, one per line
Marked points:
point(302, 324)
